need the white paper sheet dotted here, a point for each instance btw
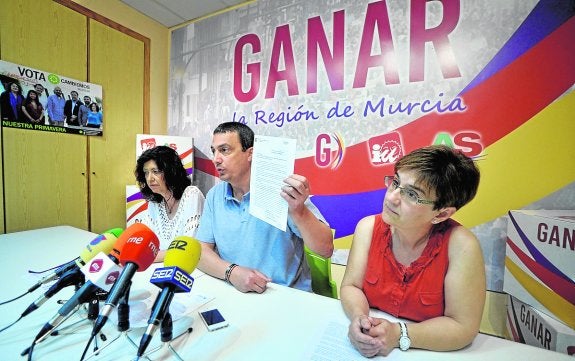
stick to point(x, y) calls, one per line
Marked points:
point(332, 344)
point(272, 161)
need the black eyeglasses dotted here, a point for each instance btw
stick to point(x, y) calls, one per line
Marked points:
point(406, 194)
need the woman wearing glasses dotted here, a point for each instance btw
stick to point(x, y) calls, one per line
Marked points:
point(414, 262)
point(174, 204)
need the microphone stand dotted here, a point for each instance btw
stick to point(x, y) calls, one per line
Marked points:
point(93, 309)
point(166, 333)
point(123, 323)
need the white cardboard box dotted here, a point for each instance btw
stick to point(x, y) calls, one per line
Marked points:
point(540, 261)
point(527, 325)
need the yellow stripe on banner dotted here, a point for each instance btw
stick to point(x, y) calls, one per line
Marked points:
point(560, 307)
point(343, 242)
point(527, 165)
point(133, 203)
point(189, 165)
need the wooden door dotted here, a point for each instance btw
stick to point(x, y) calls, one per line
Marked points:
point(117, 63)
point(45, 181)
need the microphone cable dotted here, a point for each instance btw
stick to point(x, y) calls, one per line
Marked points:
point(87, 347)
point(33, 288)
point(14, 299)
point(49, 269)
point(12, 324)
point(30, 350)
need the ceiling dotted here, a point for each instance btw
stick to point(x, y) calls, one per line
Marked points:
point(175, 12)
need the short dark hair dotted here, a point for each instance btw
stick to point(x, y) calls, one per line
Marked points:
point(168, 162)
point(245, 133)
point(451, 174)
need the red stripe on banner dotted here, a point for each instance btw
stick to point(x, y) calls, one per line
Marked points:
point(140, 209)
point(558, 284)
point(512, 326)
point(206, 166)
point(495, 108)
point(186, 153)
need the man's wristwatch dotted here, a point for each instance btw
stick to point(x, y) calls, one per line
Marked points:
point(404, 341)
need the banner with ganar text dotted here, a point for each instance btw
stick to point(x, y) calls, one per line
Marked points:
point(360, 83)
point(34, 99)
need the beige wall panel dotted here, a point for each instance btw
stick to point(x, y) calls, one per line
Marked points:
point(45, 182)
point(159, 36)
point(116, 63)
point(52, 40)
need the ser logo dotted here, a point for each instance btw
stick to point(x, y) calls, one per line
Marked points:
point(385, 149)
point(183, 279)
point(162, 273)
point(174, 276)
point(329, 150)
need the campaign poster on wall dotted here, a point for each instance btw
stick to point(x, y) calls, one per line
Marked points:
point(136, 205)
point(34, 99)
point(360, 83)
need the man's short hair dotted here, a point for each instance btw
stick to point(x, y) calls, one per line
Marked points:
point(245, 133)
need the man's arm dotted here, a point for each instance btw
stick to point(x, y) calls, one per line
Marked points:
point(316, 235)
point(242, 278)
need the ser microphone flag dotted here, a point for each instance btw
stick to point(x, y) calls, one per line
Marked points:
point(182, 257)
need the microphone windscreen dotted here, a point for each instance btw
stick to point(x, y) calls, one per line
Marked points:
point(118, 247)
point(141, 246)
point(184, 252)
point(115, 231)
point(102, 243)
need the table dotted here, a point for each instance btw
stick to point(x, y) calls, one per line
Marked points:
point(281, 324)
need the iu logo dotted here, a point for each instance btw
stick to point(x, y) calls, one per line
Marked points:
point(385, 149)
point(329, 150)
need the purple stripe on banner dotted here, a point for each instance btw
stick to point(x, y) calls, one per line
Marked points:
point(537, 256)
point(135, 197)
point(546, 17)
point(344, 211)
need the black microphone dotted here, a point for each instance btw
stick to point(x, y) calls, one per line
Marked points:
point(102, 243)
point(101, 273)
point(183, 252)
point(140, 250)
point(72, 277)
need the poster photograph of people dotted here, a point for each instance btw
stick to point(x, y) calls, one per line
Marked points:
point(34, 99)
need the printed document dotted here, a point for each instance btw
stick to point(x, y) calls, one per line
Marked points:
point(272, 161)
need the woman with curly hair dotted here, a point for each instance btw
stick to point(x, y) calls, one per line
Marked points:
point(174, 204)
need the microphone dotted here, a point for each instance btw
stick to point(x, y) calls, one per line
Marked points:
point(101, 273)
point(102, 243)
point(139, 251)
point(182, 257)
point(72, 277)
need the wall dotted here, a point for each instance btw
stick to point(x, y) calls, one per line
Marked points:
point(159, 53)
point(40, 193)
